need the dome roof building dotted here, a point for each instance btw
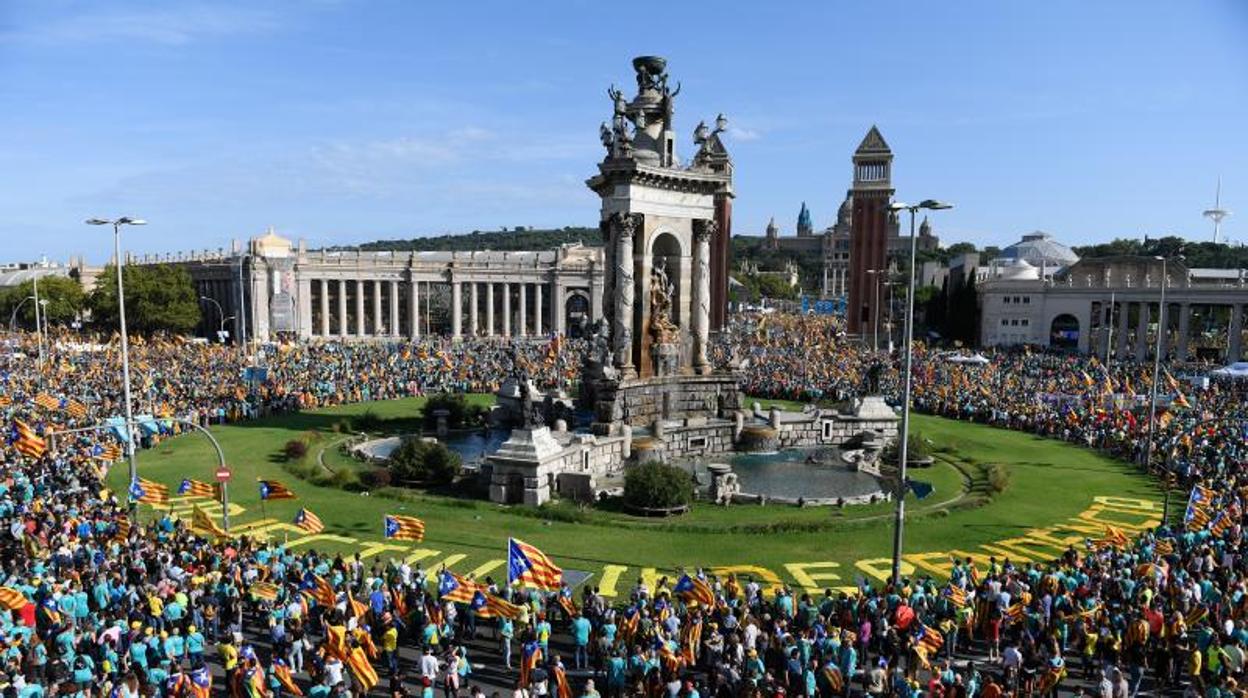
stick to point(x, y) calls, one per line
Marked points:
point(1039, 249)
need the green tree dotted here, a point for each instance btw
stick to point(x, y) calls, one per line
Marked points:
point(159, 297)
point(417, 460)
point(654, 485)
point(64, 296)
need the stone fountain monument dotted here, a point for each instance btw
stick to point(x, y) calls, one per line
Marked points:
point(663, 221)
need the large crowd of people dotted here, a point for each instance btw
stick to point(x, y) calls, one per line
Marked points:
point(100, 602)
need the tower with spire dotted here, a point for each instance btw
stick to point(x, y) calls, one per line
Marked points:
point(871, 194)
point(805, 228)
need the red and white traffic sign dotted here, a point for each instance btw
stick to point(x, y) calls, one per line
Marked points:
point(223, 474)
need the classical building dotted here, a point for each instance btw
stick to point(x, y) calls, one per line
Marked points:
point(1110, 306)
point(288, 291)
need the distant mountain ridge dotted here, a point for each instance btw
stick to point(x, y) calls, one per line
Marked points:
point(519, 238)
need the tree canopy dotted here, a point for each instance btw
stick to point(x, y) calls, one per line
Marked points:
point(64, 296)
point(518, 238)
point(1198, 254)
point(159, 297)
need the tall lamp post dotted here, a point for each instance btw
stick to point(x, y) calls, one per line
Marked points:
point(875, 315)
point(1152, 393)
point(903, 446)
point(125, 343)
point(220, 314)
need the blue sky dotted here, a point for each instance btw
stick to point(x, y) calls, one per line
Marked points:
point(343, 121)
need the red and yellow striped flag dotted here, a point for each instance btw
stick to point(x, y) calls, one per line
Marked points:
point(149, 492)
point(400, 527)
point(197, 488)
point(531, 567)
point(29, 443)
point(47, 402)
point(362, 670)
point(12, 599)
point(308, 521)
point(264, 590)
point(272, 489)
point(76, 409)
point(203, 524)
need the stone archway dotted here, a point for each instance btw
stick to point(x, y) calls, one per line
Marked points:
point(1064, 332)
point(576, 314)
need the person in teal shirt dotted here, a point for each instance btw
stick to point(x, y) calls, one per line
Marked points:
point(194, 646)
point(581, 628)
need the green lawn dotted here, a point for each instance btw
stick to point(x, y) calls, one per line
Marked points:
point(1049, 483)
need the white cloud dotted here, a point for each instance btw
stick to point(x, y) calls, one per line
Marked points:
point(166, 25)
point(743, 134)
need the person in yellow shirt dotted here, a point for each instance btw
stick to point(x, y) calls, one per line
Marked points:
point(390, 647)
point(228, 654)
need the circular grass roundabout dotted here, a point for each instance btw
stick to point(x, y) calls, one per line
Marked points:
point(997, 494)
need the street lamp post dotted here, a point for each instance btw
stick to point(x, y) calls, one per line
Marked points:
point(875, 315)
point(125, 342)
point(220, 314)
point(903, 445)
point(1152, 393)
point(13, 315)
point(34, 279)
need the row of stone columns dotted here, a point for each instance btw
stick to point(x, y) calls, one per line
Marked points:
point(482, 321)
point(1142, 346)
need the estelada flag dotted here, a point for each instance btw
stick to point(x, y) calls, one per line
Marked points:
point(196, 488)
point(529, 566)
point(452, 587)
point(28, 443)
point(694, 589)
point(272, 489)
point(399, 527)
point(490, 606)
point(144, 490)
point(308, 521)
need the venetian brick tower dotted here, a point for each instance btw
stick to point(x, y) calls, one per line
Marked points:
point(665, 223)
point(868, 243)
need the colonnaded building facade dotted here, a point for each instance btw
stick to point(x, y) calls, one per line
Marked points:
point(1040, 293)
point(286, 291)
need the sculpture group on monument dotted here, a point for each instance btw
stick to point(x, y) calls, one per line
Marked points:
point(647, 380)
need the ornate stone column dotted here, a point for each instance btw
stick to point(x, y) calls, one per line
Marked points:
point(377, 307)
point(1141, 332)
point(1234, 345)
point(342, 308)
point(413, 308)
point(324, 307)
point(558, 309)
point(703, 230)
point(506, 309)
point(1185, 320)
point(523, 329)
point(457, 310)
point(623, 227)
point(489, 309)
point(1120, 339)
point(394, 308)
point(359, 307)
point(472, 308)
point(537, 310)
